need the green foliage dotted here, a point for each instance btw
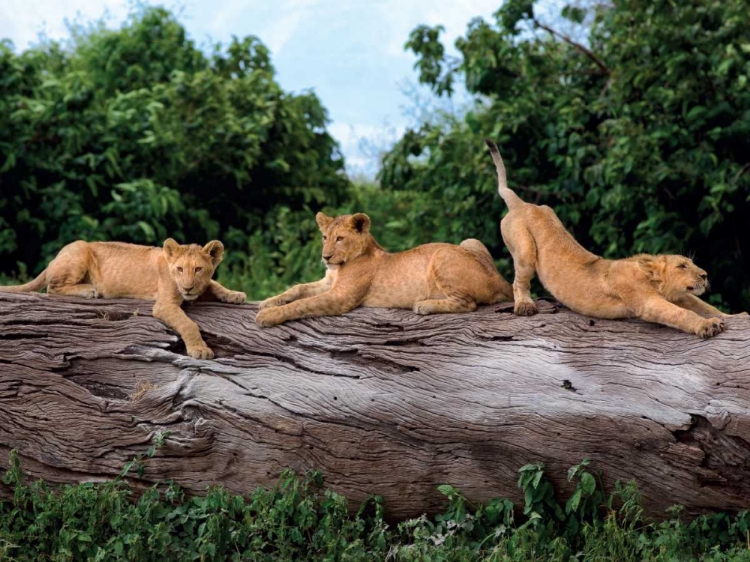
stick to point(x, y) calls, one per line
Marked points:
point(300, 520)
point(638, 138)
point(136, 135)
point(284, 246)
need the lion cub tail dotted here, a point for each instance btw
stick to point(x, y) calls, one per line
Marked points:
point(510, 198)
point(32, 286)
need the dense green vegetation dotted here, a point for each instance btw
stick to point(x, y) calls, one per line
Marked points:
point(300, 520)
point(639, 138)
point(137, 135)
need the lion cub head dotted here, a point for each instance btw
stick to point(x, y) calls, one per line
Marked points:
point(345, 237)
point(673, 275)
point(191, 267)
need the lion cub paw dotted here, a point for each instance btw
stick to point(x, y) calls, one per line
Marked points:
point(711, 328)
point(268, 317)
point(235, 297)
point(525, 308)
point(91, 293)
point(269, 303)
point(200, 352)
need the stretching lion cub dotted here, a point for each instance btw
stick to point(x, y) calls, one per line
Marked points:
point(430, 278)
point(661, 288)
point(170, 276)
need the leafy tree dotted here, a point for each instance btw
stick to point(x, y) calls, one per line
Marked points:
point(638, 137)
point(136, 135)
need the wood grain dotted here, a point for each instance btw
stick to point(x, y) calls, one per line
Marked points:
point(382, 401)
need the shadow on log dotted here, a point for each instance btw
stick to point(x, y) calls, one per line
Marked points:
point(382, 401)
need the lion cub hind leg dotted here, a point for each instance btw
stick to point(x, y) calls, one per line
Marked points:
point(461, 276)
point(84, 290)
point(451, 304)
point(501, 289)
point(69, 272)
point(522, 247)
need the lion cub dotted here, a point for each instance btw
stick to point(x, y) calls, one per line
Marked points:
point(661, 288)
point(170, 276)
point(428, 279)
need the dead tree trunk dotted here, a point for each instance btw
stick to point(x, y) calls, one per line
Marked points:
point(382, 401)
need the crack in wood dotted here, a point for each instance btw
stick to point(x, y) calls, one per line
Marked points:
point(381, 401)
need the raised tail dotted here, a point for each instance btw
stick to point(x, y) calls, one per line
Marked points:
point(510, 198)
point(32, 286)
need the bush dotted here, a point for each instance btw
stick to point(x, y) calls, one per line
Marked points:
point(137, 135)
point(639, 138)
point(300, 520)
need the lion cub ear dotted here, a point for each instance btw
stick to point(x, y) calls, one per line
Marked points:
point(361, 223)
point(323, 220)
point(215, 249)
point(652, 266)
point(171, 249)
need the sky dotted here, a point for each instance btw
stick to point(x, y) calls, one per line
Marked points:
point(350, 52)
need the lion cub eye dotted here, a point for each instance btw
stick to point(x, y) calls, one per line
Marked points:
point(325, 238)
point(339, 238)
point(682, 266)
point(179, 270)
point(198, 269)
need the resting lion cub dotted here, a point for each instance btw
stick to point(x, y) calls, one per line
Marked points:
point(661, 288)
point(429, 279)
point(170, 276)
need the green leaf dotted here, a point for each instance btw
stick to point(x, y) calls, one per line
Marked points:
point(588, 483)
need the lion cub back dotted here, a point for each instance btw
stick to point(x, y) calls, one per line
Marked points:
point(120, 270)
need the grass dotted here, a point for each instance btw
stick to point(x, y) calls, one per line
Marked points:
point(301, 520)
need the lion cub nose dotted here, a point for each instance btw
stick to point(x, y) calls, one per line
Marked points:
point(704, 276)
point(188, 289)
point(328, 257)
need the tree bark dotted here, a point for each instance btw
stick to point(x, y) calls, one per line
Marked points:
point(382, 401)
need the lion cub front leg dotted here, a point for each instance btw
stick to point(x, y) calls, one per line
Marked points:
point(661, 311)
point(218, 292)
point(173, 316)
point(301, 291)
point(702, 308)
point(331, 303)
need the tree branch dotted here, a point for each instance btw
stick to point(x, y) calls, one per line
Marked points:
point(578, 46)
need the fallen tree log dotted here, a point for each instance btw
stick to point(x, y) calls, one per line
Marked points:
point(382, 401)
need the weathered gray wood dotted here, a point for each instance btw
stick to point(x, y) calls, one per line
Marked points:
point(382, 401)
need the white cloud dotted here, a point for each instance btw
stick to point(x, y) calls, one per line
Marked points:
point(363, 90)
point(363, 145)
point(285, 16)
point(404, 15)
point(23, 21)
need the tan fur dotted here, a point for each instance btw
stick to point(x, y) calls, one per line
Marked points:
point(170, 276)
point(428, 279)
point(660, 288)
